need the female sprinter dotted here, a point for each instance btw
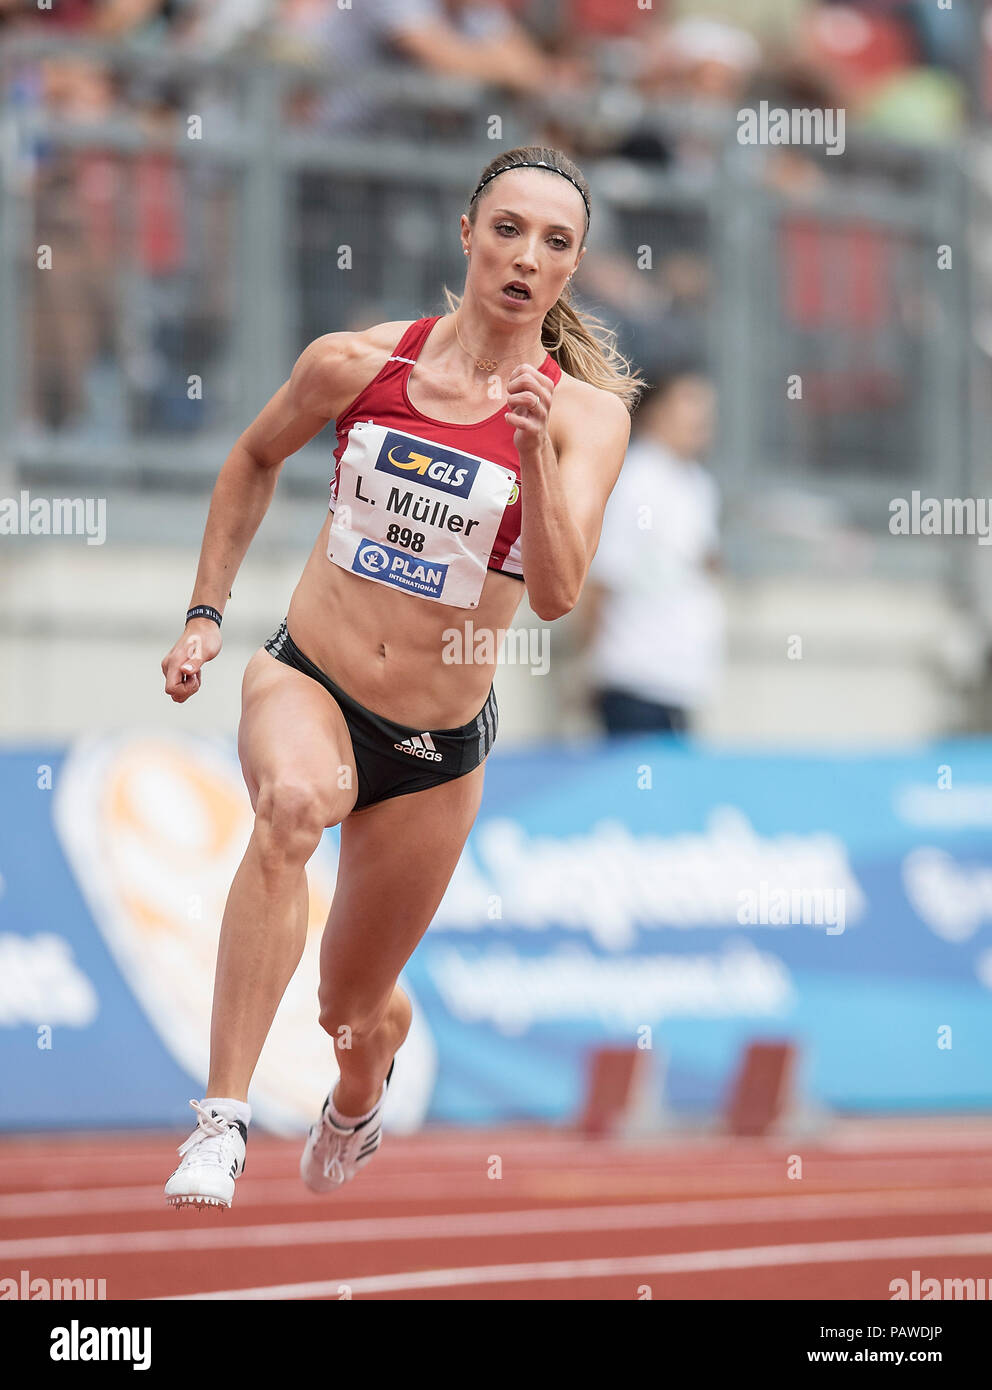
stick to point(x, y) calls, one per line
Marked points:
point(441, 511)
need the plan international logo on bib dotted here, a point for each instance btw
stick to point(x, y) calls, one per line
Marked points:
point(441, 468)
point(395, 567)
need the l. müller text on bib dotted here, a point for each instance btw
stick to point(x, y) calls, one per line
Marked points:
point(417, 515)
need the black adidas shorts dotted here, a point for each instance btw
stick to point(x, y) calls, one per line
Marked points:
point(393, 759)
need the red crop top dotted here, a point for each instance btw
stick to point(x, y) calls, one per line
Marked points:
point(421, 504)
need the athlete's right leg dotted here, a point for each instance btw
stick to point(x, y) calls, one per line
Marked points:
point(295, 753)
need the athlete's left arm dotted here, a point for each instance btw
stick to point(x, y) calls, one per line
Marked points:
point(563, 493)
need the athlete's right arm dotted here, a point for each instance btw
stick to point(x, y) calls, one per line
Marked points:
point(322, 381)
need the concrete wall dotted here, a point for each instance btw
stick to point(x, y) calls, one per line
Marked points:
point(85, 629)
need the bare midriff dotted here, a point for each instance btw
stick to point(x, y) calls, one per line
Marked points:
point(406, 658)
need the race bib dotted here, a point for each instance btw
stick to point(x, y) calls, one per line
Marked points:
point(419, 516)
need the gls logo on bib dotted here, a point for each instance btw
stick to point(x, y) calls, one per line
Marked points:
point(441, 468)
point(417, 515)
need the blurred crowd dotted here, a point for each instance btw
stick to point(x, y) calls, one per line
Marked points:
point(145, 240)
point(589, 76)
point(906, 66)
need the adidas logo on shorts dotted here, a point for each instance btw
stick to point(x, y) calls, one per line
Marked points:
point(420, 746)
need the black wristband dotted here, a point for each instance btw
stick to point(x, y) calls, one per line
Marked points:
point(203, 610)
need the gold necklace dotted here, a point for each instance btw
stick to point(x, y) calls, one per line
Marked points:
point(484, 364)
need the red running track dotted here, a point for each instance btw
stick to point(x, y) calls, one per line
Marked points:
point(516, 1215)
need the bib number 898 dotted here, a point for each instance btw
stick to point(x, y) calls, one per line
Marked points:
point(402, 535)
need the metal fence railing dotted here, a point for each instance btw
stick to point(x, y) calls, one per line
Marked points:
point(186, 274)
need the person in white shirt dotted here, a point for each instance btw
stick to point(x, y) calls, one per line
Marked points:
point(654, 612)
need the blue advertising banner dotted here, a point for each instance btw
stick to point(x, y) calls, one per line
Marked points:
point(841, 903)
point(640, 892)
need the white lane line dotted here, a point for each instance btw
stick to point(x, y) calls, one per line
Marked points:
point(380, 1189)
point(589, 1157)
point(60, 1183)
point(432, 1152)
point(82, 1201)
point(428, 1147)
point(54, 1202)
point(472, 1225)
point(689, 1262)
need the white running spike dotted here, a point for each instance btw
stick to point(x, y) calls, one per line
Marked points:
point(212, 1158)
point(333, 1156)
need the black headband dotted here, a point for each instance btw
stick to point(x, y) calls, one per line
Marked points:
point(531, 164)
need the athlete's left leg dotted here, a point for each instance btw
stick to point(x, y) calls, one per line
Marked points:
point(396, 860)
